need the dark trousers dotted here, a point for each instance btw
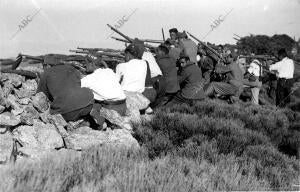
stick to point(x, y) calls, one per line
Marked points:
point(162, 100)
point(179, 99)
point(77, 114)
point(283, 91)
point(150, 93)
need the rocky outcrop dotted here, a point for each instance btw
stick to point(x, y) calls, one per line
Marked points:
point(28, 130)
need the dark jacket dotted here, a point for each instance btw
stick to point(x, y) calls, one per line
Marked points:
point(167, 65)
point(189, 48)
point(191, 81)
point(61, 84)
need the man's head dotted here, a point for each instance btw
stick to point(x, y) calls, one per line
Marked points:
point(184, 60)
point(163, 50)
point(173, 33)
point(282, 53)
point(220, 48)
point(131, 52)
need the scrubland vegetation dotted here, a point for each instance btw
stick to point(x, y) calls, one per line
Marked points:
point(210, 146)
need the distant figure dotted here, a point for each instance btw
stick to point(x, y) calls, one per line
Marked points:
point(191, 82)
point(188, 47)
point(61, 84)
point(255, 70)
point(173, 34)
point(167, 65)
point(107, 92)
point(285, 73)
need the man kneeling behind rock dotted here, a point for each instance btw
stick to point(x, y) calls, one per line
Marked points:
point(61, 83)
point(108, 94)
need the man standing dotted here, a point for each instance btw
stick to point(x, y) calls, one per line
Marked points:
point(191, 82)
point(61, 84)
point(285, 73)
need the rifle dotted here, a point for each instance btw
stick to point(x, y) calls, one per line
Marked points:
point(263, 57)
point(37, 58)
point(163, 34)
point(123, 35)
point(125, 41)
point(208, 47)
point(99, 49)
point(99, 54)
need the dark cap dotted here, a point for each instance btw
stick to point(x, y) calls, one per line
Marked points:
point(181, 35)
point(132, 49)
point(183, 56)
point(173, 30)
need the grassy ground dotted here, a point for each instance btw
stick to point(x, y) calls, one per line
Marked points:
point(210, 146)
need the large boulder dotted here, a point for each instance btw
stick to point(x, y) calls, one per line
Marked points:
point(85, 137)
point(7, 88)
point(59, 122)
point(14, 79)
point(2, 108)
point(12, 102)
point(135, 102)
point(6, 146)
point(30, 85)
point(24, 93)
point(40, 135)
point(8, 120)
point(29, 114)
point(40, 102)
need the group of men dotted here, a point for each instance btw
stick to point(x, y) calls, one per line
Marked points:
point(171, 75)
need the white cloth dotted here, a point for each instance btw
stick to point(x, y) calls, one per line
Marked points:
point(254, 68)
point(285, 68)
point(132, 75)
point(153, 66)
point(105, 85)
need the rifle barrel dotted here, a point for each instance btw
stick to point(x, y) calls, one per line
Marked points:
point(33, 57)
point(163, 34)
point(208, 47)
point(117, 31)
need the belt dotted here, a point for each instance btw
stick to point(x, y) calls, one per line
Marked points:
point(149, 87)
point(119, 102)
point(282, 78)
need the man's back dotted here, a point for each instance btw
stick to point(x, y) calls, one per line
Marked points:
point(132, 75)
point(191, 77)
point(167, 65)
point(190, 48)
point(154, 68)
point(104, 84)
point(62, 86)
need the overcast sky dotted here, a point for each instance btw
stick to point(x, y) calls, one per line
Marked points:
point(61, 25)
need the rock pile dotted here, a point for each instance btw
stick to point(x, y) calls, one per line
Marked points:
point(27, 129)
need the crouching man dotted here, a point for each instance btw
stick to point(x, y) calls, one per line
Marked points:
point(61, 84)
point(191, 82)
point(110, 99)
point(134, 77)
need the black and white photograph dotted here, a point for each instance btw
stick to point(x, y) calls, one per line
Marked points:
point(149, 95)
